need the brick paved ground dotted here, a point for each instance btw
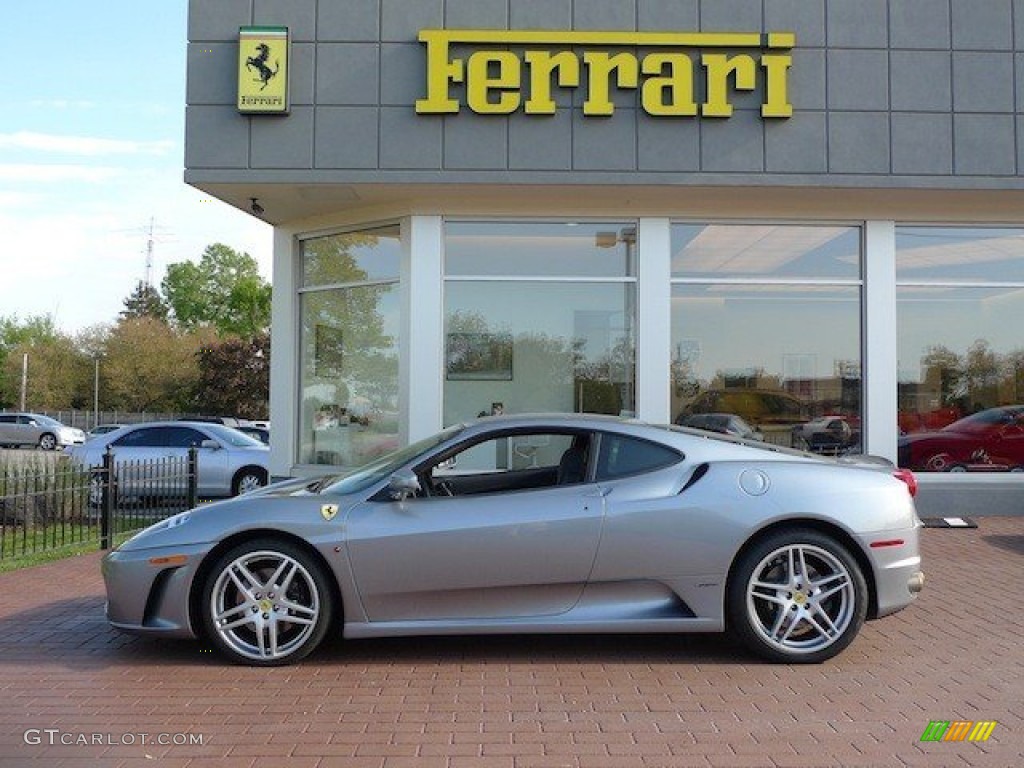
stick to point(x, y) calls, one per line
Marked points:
point(528, 702)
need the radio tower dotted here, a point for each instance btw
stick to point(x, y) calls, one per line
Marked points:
point(149, 255)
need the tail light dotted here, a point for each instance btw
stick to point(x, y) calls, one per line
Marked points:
point(907, 477)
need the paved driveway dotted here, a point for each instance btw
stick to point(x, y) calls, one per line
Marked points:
point(67, 680)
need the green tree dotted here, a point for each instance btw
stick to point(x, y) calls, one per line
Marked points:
point(17, 337)
point(149, 366)
point(57, 373)
point(234, 377)
point(223, 291)
point(145, 301)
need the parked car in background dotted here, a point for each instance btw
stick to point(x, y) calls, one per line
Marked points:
point(230, 462)
point(557, 523)
point(260, 433)
point(101, 429)
point(826, 433)
point(33, 429)
point(725, 423)
point(988, 441)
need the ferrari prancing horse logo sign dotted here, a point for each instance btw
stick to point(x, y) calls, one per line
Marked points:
point(263, 70)
point(329, 511)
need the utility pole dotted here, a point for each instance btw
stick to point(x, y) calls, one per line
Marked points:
point(24, 378)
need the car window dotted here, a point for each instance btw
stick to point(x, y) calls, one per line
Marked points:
point(8, 419)
point(182, 437)
point(147, 437)
point(621, 455)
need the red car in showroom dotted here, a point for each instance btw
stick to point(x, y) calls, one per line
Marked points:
point(987, 441)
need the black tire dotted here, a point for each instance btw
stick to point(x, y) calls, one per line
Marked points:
point(265, 637)
point(47, 442)
point(807, 576)
point(248, 479)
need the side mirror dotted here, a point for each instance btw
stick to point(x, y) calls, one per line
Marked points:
point(403, 484)
point(212, 445)
point(448, 463)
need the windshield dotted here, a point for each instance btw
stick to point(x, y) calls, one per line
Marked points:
point(232, 436)
point(46, 421)
point(982, 421)
point(377, 470)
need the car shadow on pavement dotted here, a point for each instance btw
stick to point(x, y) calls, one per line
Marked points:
point(1010, 543)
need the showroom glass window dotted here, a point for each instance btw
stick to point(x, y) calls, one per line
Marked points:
point(349, 305)
point(766, 325)
point(960, 310)
point(539, 316)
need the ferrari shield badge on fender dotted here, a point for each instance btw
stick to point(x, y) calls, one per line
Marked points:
point(328, 511)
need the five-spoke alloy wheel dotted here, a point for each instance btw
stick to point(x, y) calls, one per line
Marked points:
point(797, 596)
point(266, 602)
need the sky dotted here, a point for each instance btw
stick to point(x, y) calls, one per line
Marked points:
point(92, 154)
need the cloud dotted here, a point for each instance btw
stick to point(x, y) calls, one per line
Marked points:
point(25, 173)
point(88, 146)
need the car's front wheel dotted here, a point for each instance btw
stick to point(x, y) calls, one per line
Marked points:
point(248, 479)
point(797, 596)
point(266, 603)
point(48, 442)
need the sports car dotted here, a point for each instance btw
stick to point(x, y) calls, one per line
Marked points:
point(988, 441)
point(534, 524)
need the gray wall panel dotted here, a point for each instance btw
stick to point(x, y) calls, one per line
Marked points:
point(804, 17)
point(799, 145)
point(729, 15)
point(984, 145)
point(858, 142)
point(858, 23)
point(349, 21)
point(347, 74)
point(667, 145)
point(403, 72)
point(675, 15)
point(983, 82)
point(211, 77)
point(807, 80)
point(477, 144)
point(211, 21)
point(982, 25)
point(298, 15)
point(402, 20)
point(921, 81)
point(603, 14)
point(476, 14)
point(604, 144)
point(302, 73)
point(858, 80)
point(408, 141)
point(536, 144)
point(919, 24)
point(216, 137)
point(347, 137)
point(922, 145)
point(734, 146)
point(540, 14)
point(283, 142)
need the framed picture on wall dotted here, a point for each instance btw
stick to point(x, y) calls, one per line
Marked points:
point(328, 351)
point(479, 356)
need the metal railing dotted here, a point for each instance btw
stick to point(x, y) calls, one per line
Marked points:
point(48, 502)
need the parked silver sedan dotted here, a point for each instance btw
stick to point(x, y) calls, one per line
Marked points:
point(34, 429)
point(229, 462)
point(537, 524)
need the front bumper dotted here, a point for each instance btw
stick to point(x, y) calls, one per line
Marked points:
point(145, 596)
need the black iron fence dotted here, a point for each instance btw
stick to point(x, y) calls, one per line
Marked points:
point(48, 502)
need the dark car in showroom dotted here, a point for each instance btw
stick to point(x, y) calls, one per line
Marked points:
point(988, 441)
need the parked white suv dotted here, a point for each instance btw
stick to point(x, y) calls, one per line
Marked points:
point(17, 429)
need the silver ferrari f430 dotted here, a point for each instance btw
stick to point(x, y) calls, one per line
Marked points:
point(531, 524)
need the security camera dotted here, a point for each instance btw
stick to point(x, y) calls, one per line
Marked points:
point(255, 207)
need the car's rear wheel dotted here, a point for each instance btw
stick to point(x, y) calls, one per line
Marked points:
point(248, 479)
point(48, 442)
point(266, 603)
point(797, 596)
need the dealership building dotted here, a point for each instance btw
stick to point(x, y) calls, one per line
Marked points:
point(809, 215)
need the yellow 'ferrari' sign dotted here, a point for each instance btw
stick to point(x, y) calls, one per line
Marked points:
point(263, 70)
